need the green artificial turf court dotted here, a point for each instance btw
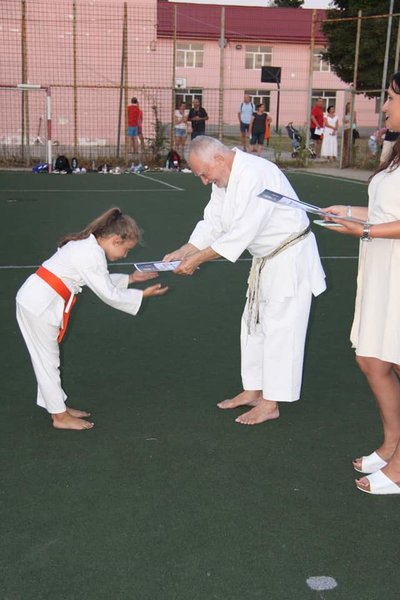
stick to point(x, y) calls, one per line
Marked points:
point(167, 498)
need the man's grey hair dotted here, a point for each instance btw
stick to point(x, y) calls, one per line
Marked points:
point(205, 147)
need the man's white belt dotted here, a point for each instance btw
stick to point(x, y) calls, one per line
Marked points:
point(255, 273)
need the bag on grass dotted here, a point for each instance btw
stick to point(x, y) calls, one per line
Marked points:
point(173, 160)
point(62, 164)
point(40, 168)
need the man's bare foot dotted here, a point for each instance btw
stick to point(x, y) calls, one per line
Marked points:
point(245, 398)
point(66, 421)
point(266, 410)
point(79, 414)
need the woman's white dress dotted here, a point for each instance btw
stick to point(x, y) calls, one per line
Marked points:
point(329, 142)
point(376, 326)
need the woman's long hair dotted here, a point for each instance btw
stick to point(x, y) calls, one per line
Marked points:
point(112, 222)
point(393, 160)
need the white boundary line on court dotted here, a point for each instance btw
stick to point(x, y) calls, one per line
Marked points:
point(104, 191)
point(55, 190)
point(218, 260)
point(174, 187)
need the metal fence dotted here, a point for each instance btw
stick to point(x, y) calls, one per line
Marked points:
point(90, 58)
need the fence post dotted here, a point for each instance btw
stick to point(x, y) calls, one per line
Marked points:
point(347, 136)
point(24, 79)
point(75, 85)
point(397, 51)
point(173, 96)
point(385, 62)
point(221, 76)
point(310, 75)
point(122, 79)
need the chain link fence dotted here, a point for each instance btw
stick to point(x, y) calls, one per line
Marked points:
point(91, 57)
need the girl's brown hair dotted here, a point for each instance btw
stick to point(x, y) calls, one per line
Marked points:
point(112, 222)
point(393, 160)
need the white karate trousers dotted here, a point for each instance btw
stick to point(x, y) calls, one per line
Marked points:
point(272, 357)
point(40, 336)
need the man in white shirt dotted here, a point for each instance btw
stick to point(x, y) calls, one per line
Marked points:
point(285, 273)
point(246, 110)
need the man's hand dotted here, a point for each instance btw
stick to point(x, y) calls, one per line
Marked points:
point(193, 260)
point(180, 253)
point(188, 265)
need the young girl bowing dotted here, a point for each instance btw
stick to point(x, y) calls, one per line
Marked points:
point(45, 299)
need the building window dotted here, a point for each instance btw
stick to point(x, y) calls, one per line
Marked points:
point(318, 63)
point(189, 55)
point(258, 56)
point(328, 96)
point(187, 96)
point(260, 97)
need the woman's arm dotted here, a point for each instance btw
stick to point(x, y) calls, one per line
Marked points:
point(389, 230)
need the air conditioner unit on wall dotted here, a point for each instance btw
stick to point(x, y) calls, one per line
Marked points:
point(180, 82)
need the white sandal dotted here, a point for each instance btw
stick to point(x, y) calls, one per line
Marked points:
point(380, 485)
point(371, 463)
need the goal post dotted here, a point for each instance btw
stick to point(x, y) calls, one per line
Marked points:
point(25, 129)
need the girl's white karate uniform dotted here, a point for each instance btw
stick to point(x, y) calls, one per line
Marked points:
point(236, 219)
point(40, 309)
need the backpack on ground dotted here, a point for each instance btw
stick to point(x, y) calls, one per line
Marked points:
point(173, 160)
point(62, 164)
point(40, 168)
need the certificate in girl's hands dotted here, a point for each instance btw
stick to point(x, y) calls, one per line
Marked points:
point(160, 265)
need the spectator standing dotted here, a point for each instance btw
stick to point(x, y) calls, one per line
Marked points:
point(258, 126)
point(317, 124)
point(246, 110)
point(268, 128)
point(134, 120)
point(181, 119)
point(329, 143)
point(197, 117)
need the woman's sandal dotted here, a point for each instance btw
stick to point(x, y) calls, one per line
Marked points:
point(380, 485)
point(371, 463)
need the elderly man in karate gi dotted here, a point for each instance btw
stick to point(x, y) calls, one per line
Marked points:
point(286, 270)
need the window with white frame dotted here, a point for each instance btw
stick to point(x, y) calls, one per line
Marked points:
point(260, 97)
point(318, 63)
point(328, 96)
point(189, 55)
point(258, 56)
point(187, 96)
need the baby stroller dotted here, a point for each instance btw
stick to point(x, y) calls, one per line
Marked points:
point(296, 142)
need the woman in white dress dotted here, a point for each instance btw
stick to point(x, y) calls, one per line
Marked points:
point(375, 331)
point(329, 142)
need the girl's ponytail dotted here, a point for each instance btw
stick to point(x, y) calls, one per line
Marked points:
point(112, 222)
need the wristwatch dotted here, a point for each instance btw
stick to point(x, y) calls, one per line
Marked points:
point(365, 236)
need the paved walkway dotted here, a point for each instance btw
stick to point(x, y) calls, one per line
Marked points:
point(356, 174)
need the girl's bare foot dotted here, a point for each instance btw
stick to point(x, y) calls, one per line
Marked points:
point(245, 398)
point(66, 421)
point(79, 414)
point(265, 410)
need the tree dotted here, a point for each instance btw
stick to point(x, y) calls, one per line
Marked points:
point(341, 39)
point(287, 3)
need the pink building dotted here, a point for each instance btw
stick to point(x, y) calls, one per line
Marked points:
point(96, 54)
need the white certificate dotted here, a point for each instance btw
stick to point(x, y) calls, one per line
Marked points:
point(160, 265)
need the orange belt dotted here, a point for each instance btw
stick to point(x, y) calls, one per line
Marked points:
point(59, 286)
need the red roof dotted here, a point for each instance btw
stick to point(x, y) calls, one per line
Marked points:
point(242, 23)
